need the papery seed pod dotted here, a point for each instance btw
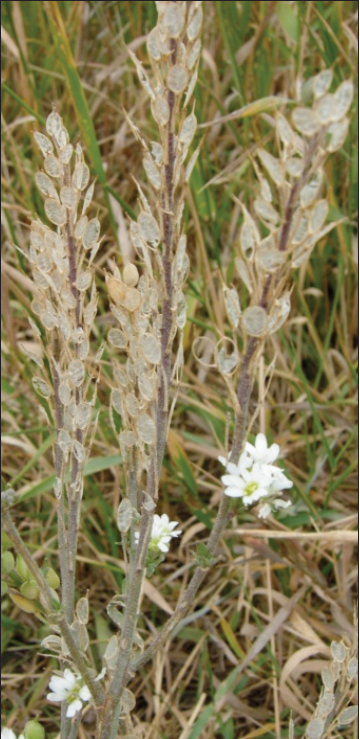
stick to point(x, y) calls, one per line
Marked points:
point(149, 229)
point(124, 515)
point(84, 280)
point(44, 262)
point(337, 134)
point(127, 702)
point(343, 99)
point(83, 415)
point(143, 78)
point(161, 110)
point(227, 357)
point(91, 233)
point(310, 191)
point(52, 166)
point(116, 397)
point(181, 311)
point(327, 678)
point(88, 198)
point(157, 152)
point(146, 429)
point(132, 299)
point(279, 313)
point(66, 153)
point(117, 338)
point(177, 79)
point(81, 176)
point(348, 715)
point(64, 325)
point(89, 311)
point(249, 236)
point(191, 87)
point(55, 212)
point(294, 166)
point(120, 376)
point(172, 20)
point(76, 372)
point(132, 405)
point(151, 349)
point(255, 320)
point(232, 305)
point(284, 129)
point(325, 108)
point(318, 215)
point(45, 185)
point(352, 668)
point(42, 387)
point(195, 23)
point(152, 45)
point(68, 299)
point(64, 441)
point(244, 273)
point(79, 451)
point(325, 704)
point(322, 82)
point(306, 121)
point(266, 212)
point(62, 138)
point(272, 166)
point(152, 172)
point(188, 129)
point(338, 651)
point(147, 386)
point(69, 197)
point(315, 728)
point(80, 227)
point(193, 54)
point(64, 393)
point(128, 438)
point(53, 123)
point(43, 143)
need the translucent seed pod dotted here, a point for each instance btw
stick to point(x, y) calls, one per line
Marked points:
point(232, 305)
point(124, 515)
point(46, 186)
point(69, 197)
point(152, 172)
point(146, 428)
point(255, 320)
point(55, 212)
point(194, 26)
point(227, 357)
point(272, 165)
point(343, 99)
point(150, 347)
point(130, 275)
point(336, 134)
point(177, 79)
point(76, 372)
point(306, 121)
point(43, 143)
point(66, 153)
point(315, 728)
point(132, 299)
point(116, 400)
point(91, 233)
point(244, 273)
point(117, 338)
point(52, 166)
point(172, 21)
point(42, 387)
point(53, 123)
point(322, 82)
point(149, 229)
point(82, 610)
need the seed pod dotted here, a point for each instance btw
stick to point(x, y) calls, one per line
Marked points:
point(338, 651)
point(227, 357)
point(172, 21)
point(52, 166)
point(177, 79)
point(83, 415)
point(255, 320)
point(76, 372)
point(81, 176)
point(151, 349)
point(42, 387)
point(132, 299)
point(55, 212)
point(193, 54)
point(124, 515)
point(194, 26)
point(117, 338)
point(132, 405)
point(322, 82)
point(69, 197)
point(152, 172)
point(43, 143)
point(127, 438)
point(88, 197)
point(325, 108)
point(80, 227)
point(337, 134)
point(130, 275)
point(45, 185)
point(310, 191)
point(149, 229)
point(91, 233)
point(116, 289)
point(272, 166)
point(232, 305)
point(152, 45)
point(306, 121)
point(82, 610)
point(53, 123)
point(279, 313)
point(84, 281)
point(66, 153)
point(343, 99)
point(315, 728)
point(146, 429)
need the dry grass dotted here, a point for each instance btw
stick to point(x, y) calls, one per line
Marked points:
point(259, 635)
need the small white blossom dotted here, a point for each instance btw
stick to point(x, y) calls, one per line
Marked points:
point(161, 533)
point(260, 452)
point(255, 478)
point(9, 734)
point(250, 485)
point(71, 689)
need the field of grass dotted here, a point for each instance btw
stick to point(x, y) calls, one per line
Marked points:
point(250, 653)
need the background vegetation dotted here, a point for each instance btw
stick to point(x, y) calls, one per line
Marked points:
point(73, 55)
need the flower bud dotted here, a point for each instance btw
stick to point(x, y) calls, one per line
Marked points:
point(51, 577)
point(34, 730)
point(22, 568)
point(7, 563)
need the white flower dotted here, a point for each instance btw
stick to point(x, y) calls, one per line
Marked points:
point(260, 452)
point(161, 533)
point(266, 509)
point(9, 734)
point(250, 485)
point(71, 689)
point(254, 477)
